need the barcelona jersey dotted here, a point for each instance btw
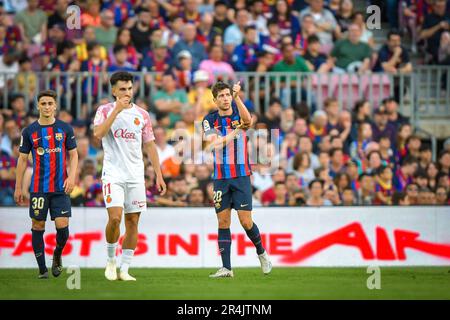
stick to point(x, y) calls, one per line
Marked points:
point(49, 145)
point(232, 161)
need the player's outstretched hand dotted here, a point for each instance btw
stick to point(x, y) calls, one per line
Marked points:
point(69, 185)
point(161, 185)
point(19, 197)
point(236, 89)
point(244, 125)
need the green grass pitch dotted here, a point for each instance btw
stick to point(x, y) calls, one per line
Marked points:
point(248, 283)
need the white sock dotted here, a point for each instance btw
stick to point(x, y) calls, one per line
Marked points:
point(127, 255)
point(111, 248)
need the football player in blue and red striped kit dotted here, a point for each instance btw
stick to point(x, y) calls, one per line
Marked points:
point(224, 129)
point(50, 142)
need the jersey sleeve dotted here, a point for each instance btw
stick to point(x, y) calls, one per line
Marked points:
point(25, 142)
point(100, 115)
point(71, 142)
point(208, 126)
point(147, 130)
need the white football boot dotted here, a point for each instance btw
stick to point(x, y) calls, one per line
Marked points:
point(124, 276)
point(111, 270)
point(222, 273)
point(266, 265)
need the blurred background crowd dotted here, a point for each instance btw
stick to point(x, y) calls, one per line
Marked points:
point(364, 155)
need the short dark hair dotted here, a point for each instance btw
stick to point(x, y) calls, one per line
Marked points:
point(393, 33)
point(397, 197)
point(91, 45)
point(363, 175)
point(119, 47)
point(315, 181)
point(313, 39)
point(66, 44)
point(334, 150)
point(381, 169)
point(120, 76)
point(249, 27)
point(47, 93)
point(219, 86)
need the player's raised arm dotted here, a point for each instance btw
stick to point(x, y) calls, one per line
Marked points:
point(103, 124)
point(245, 115)
point(152, 153)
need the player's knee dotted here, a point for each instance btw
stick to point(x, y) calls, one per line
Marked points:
point(131, 224)
point(246, 223)
point(114, 222)
point(224, 223)
point(38, 225)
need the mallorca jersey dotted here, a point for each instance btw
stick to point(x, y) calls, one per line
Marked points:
point(232, 161)
point(49, 145)
point(122, 145)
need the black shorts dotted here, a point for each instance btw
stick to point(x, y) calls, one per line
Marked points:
point(57, 203)
point(233, 193)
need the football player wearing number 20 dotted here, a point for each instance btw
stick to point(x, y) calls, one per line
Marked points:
point(50, 141)
point(224, 130)
point(125, 129)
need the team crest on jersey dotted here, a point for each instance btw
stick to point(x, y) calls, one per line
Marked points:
point(40, 151)
point(217, 205)
point(108, 199)
point(36, 212)
point(234, 123)
point(58, 136)
point(136, 121)
point(48, 137)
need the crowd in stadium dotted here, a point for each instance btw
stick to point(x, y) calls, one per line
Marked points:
point(364, 156)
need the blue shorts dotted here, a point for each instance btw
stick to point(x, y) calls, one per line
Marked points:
point(235, 193)
point(57, 203)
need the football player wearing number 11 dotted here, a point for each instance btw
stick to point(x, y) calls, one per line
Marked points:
point(50, 141)
point(125, 129)
point(225, 131)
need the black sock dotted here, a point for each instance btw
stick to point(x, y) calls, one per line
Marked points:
point(254, 235)
point(224, 241)
point(37, 240)
point(61, 238)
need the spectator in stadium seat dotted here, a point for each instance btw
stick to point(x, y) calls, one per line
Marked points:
point(196, 198)
point(331, 106)
point(94, 196)
point(81, 48)
point(404, 132)
point(58, 15)
point(395, 117)
point(190, 44)
point(205, 31)
point(308, 28)
point(393, 57)
point(200, 96)
point(351, 168)
point(27, 80)
point(177, 195)
point(106, 32)
point(290, 62)
point(190, 12)
point(303, 168)
point(358, 147)
point(141, 31)
point(316, 194)
point(366, 35)
point(374, 161)
point(425, 157)
point(273, 38)
point(413, 144)
point(442, 197)
point(381, 126)
point(351, 54)
point(272, 117)
point(387, 154)
point(156, 59)
point(400, 199)
point(97, 66)
point(221, 21)
point(444, 162)
point(412, 190)
point(122, 10)
point(366, 194)
point(426, 197)
point(421, 178)
point(169, 100)
point(336, 162)
point(317, 129)
point(216, 68)
point(32, 22)
point(234, 34)
point(281, 195)
point(121, 60)
point(432, 172)
point(434, 25)
point(345, 14)
point(12, 36)
point(184, 75)
point(257, 17)
point(91, 17)
point(296, 195)
point(342, 182)
point(124, 39)
point(245, 54)
point(383, 187)
point(315, 60)
point(324, 20)
point(288, 23)
point(348, 197)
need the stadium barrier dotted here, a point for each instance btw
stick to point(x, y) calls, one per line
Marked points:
point(183, 238)
point(429, 84)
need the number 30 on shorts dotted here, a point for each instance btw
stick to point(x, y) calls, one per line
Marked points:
point(217, 196)
point(37, 203)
